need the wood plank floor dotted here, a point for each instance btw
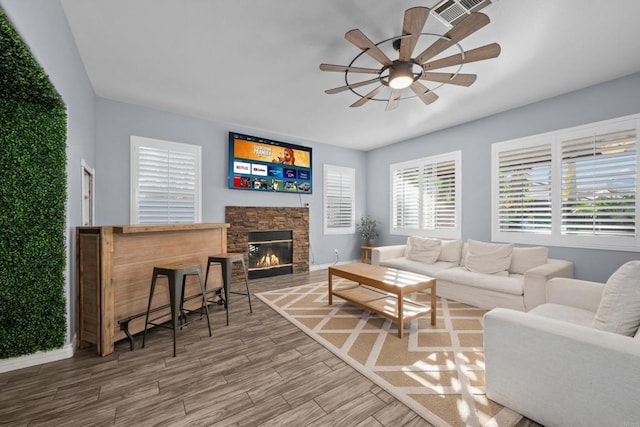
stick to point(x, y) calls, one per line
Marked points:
point(258, 371)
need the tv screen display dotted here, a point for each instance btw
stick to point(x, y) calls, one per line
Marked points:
point(265, 165)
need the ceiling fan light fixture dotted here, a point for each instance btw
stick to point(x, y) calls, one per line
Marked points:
point(400, 75)
point(407, 72)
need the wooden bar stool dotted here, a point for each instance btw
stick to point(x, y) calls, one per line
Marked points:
point(176, 275)
point(226, 261)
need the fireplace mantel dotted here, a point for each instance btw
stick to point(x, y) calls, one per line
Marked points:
point(243, 219)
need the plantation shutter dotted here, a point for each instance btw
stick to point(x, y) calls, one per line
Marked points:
point(524, 197)
point(166, 182)
point(599, 184)
point(406, 197)
point(339, 195)
point(425, 196)
point(439, 195)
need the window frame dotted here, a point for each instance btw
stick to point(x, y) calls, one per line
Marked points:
point(88, 191)
point(422, 163)
point(557, 237)
point(135, 143)
point(350, 174)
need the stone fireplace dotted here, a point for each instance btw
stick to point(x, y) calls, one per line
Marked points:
point(273, 221)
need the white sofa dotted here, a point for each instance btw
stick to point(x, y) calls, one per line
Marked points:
point(555, 365)
point(518, 287)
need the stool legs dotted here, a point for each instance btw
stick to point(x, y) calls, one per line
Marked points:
point(177, 279)
point(246, 283)
point(175, 300)
point(224, 287)
point(226, 264)
point(152, 289)
point(226, 281)
point(204, 299)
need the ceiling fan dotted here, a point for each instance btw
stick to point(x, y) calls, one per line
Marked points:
point(408, 71)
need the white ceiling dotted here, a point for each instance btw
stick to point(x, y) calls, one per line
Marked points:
point(254, 64)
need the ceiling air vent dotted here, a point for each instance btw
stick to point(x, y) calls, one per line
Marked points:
point(450, 12)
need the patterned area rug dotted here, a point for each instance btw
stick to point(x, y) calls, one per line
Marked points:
point(438, 371)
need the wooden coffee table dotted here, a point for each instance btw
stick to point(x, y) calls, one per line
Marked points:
point(384, 291)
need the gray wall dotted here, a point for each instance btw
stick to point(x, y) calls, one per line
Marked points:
point(605, 101)
point(43, 26)
point(116, 122)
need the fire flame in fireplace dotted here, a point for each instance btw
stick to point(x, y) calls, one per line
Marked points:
point(269, 260)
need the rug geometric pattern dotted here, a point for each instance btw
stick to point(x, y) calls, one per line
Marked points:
point(438, 371)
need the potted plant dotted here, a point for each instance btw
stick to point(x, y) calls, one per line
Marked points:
point(368, 229)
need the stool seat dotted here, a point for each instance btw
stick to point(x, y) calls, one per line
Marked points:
point(233, 257)
point(178, 267)
point(176, 274)
point(226, 261)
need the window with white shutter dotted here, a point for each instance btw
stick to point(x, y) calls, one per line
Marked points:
point(165, 182)
point(425, 196)
point(575, 187)
point(405, 198)
point(524, 179)
point(599, 184)
point(339, 200)
point(439, 195)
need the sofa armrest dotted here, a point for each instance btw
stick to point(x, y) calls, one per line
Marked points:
point(382, 253)
point(575, 293)
point(560, 374)
point(535, 280)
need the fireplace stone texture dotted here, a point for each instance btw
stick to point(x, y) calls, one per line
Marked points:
point(243, 219)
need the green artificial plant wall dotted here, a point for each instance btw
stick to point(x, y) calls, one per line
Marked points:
point(32, 202)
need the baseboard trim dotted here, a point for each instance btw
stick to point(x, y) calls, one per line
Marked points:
point(38, 358)
point(316, 267)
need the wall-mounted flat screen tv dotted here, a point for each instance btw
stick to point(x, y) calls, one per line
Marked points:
point(265, 165)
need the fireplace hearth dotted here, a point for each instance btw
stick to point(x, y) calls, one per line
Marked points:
point(270, 253)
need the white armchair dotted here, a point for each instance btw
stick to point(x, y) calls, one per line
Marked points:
point(554, 367)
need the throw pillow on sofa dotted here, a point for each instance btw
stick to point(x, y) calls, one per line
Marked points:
point(488, 258)
point(451, 251)
point(523, 259)
point(619, 309)
point(423, 249)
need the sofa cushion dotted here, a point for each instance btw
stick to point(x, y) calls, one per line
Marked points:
point(619, 309)
point(488, 258)
point(423, 249)
point(577, 316)
point(513, 284)
point(523, 259)
point(431, 270)
point(451, 251)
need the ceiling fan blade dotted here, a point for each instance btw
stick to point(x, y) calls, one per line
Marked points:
point(358, 38)
point(423, 93)
point(449, 78)
point(469, 25)
point(331, 67)
point(350, 86)
point(484, 52)
point(394, 99)
point(414, 20)
point(367, 97)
